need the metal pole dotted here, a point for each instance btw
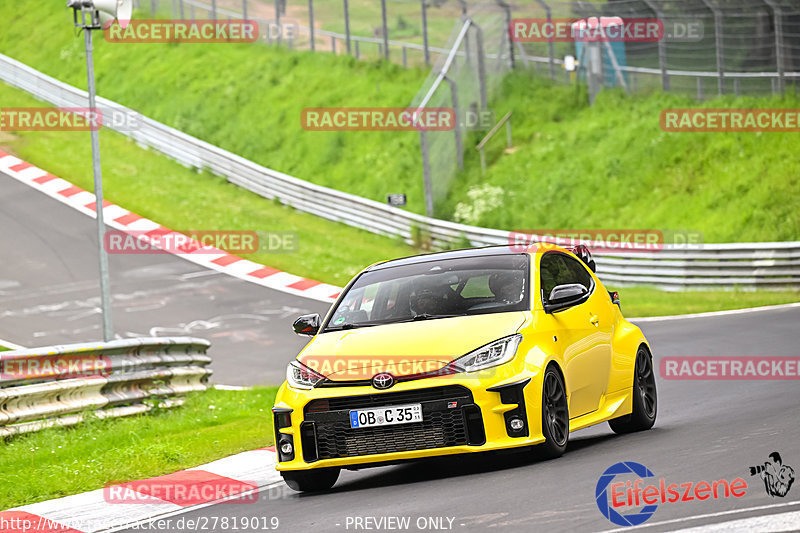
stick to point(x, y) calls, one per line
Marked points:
point(481, 66)
point(214, 9)
point(153, 7)
point(662, 48)
point(385, 30)
point(507, 9)
point(311, 23)
point(358, 50)
point(425, 32)
point(244, 9)
point(718, 44)
point(347, 25)
point(426, 173)
point(278, 20)
point(779, 57)
point(405, 57)
point(105, 297)
point(457, 127)
point(700, 95)
point(180, 2)
point(550, 50)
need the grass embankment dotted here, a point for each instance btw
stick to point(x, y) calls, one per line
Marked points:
point(63, 461)
point(608, 166)
point(180, 198)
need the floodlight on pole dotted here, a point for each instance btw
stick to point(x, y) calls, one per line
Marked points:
point(91, 15)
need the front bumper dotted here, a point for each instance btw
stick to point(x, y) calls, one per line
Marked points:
point(461, 414)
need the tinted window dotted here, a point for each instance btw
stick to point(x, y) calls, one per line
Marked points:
point(463, 286)
point(561, 269)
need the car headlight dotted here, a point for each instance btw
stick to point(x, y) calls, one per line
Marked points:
point(493, 354)
point(300, 376)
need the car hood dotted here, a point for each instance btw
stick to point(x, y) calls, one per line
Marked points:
point(406, 348)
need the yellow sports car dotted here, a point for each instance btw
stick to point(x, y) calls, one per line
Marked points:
point(458, 352)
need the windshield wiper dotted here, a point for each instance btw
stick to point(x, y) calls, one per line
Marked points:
point(429, 316)
point(351, 326)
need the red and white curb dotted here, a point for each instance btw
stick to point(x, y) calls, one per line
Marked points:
point(237, 479)
point(124, 220)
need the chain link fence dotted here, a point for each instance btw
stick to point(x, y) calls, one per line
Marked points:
point(708, 47)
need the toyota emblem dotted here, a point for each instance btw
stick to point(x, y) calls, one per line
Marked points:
point(382, 381)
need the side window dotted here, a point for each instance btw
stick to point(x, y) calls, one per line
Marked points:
point(560, 269)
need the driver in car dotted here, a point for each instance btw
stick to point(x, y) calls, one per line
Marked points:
point(431, 298)
point(506, 286)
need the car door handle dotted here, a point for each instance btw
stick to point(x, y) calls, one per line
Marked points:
point(594, 320)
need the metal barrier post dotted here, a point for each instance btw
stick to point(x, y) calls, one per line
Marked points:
point(213, 9)
point(425, 32)
point(180, 2)
point(718, 43)
point(347, 25)
point(426, 172)
point(507, 32)
point(550, 50)
point(481, 66)
point(311, 24)
point(278, 20)
point(457, 126)
point(244, 9)
point(385, 30)
point(662, 47)
point(779, 56)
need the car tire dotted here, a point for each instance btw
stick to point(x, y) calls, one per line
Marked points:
point(644, 397)
point(311, 480)
point(555, 415)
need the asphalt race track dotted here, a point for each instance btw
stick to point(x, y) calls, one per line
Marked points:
point(706, 430)
point(49, 293)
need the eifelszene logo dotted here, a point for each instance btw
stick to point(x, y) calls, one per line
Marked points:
point(615, 496)
point(778, 477)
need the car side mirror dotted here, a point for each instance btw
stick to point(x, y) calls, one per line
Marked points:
point(563, 296)
point(307, 325)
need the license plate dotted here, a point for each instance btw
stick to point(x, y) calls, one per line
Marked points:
point(386, 416)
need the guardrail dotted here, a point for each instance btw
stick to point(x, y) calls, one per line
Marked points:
point(59, 385)
point(744, 265)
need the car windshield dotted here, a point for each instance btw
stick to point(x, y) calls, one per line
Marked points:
point(435, 289)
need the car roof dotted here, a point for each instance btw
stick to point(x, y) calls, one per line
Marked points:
point(503, 249)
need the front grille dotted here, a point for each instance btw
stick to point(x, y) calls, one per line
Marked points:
point(326, 431)
point(451, 392)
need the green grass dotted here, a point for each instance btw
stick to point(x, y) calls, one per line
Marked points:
point(609, 166)
point(647, 301)
point(182, 199)
point(63, 461)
